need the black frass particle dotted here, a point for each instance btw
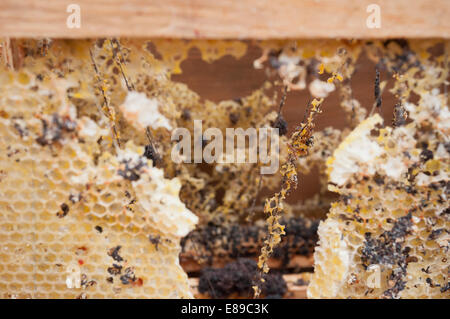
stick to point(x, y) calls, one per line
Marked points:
point(400, 115)
point(131, 170)
point(426, 155)
point(52, 132)
point(64, 210)
point(128, 277)
point(234, 118)
point(114, 253)
point(186, 115)
point(150, 153)
point(155, 240)
point(281, 124)
point(115, 270)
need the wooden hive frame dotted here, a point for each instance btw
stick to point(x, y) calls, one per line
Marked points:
point(250, 19)
point(223, 19)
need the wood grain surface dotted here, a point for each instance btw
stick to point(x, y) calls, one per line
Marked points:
point(256, 19)
point(296, 287)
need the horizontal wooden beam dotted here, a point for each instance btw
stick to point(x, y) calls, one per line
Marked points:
point(217, 245)
point(297, 262)
point(297, 285)
point(219, 19)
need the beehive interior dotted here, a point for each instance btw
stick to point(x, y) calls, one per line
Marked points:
point(88, 186)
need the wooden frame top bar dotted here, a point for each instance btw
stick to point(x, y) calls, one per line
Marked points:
point(222, 19)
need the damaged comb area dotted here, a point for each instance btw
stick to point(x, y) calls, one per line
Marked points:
point(388, 235)
point(81, 218)
point(70, 211)
point(93, 206)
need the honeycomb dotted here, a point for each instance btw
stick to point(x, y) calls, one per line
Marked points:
point(66, 211)
point(92, 206)
point(76, 220)
point(388, 234)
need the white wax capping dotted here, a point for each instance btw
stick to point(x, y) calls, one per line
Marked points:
point(394, 167)
point(142, 111)
point(356, 150)
point(321, 89)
